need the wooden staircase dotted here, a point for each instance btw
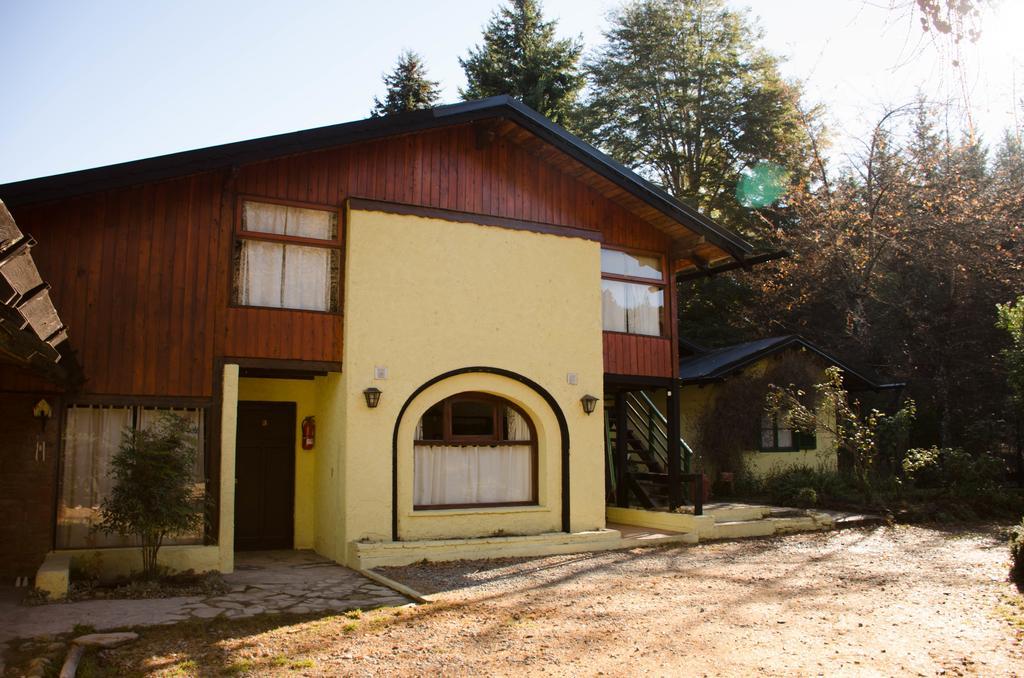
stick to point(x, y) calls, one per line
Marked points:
point(646, 481)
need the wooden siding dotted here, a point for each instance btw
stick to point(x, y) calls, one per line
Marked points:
point(142, 275)
point(639, 355)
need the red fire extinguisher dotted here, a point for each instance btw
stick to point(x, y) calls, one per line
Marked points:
point(308, 433)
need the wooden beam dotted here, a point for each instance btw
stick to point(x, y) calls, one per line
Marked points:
point(621, 451)
point(674, 450)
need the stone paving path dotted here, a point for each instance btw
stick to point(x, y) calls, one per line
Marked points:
point(292, 581)
point(268, 582)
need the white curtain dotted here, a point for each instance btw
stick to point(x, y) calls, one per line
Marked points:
point(613, 306)
point(263, 217)
point(307, 271)
point(309, 223)
point(618, 262)
point(633, 308)
point(771, 426)
point(445, 475)
point(516, 426)
point(285, 276)
point(92, 436)
point(262, 264)
point(643, 309)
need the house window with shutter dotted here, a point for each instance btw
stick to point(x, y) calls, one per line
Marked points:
point(777, 436)
point(287, 256)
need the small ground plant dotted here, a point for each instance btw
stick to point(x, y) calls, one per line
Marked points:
point(1017, 552)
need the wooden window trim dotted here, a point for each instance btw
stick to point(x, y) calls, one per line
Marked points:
point(664, 280)
point(666, 331)
point(241, 234)
point(449, 440)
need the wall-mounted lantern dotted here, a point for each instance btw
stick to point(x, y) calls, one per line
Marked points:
point(42, 411)
point(589, 403)
point(372, 396)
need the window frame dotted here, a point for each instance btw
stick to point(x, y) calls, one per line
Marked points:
point(663, 284)
point(239, 234)
point(797, 437)
point(210, 479)
point(450, 440)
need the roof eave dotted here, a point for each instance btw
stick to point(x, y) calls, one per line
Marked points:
point(242, 152)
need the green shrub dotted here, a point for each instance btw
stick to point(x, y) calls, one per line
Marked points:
point(1017, 551)
point(153, 495)
point(806, 497)
point(952, 469)
point(790, 486)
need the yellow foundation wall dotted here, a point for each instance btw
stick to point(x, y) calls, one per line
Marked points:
point(306, 396)
point(119, 562)
point(424, 297)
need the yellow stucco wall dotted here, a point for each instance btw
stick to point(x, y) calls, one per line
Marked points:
point(424, 297)
point(228, 424)
point(327, 478)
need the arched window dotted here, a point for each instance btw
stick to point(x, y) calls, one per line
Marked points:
point(474, 449)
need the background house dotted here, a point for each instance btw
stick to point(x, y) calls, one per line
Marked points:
point(723, 408)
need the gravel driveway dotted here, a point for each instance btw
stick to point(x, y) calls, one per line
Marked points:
point(870, 601)
point(891, 601)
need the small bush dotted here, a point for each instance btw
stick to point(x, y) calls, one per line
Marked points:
point(1017, 551)
point(805, 486)
point(806, 497)
point(952, 469)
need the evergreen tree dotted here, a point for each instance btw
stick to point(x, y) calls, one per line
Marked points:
point(522, 57)
point(408, 87)
point(683, 94)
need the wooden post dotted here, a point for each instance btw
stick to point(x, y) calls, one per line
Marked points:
point(621, 451)
point(674, 449)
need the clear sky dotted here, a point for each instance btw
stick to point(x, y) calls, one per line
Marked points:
point(93, 83)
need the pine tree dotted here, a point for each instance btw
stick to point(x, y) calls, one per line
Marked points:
point(683, 93)
point(408, 87)
point(522, 57)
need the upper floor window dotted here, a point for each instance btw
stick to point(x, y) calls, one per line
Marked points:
point(632, 292)
point(287, 256)
point(474, 449)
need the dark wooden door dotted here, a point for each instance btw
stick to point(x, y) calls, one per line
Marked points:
point(265, 476)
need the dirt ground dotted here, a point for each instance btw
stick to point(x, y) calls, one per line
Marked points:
point(872, 601)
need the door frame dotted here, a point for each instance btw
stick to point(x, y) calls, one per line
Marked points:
point(271, 404)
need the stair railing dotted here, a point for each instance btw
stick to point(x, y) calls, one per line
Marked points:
point(649, 427)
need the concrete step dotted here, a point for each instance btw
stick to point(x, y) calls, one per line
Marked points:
point(728, 513)
point(739, 529)
point(765, 527)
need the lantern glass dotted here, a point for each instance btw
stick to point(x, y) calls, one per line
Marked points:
point(372, 396)
point(589, 403)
